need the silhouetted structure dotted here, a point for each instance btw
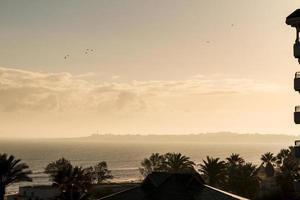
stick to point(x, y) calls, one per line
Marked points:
point(12, 171)
point(297, 82)
point(297, 115)
point(294, 21)
point(173, 186)
point(40, 192)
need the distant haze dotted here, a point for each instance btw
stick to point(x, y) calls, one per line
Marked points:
point(73, 68)
point(207, 138)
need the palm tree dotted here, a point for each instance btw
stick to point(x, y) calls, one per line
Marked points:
point(154, 163)
point(12, 171)
point(268, 160)
point(74, 182)
point(178, 163)
point(282, 155)
point(214, 171)
point(235, 159)
point(289, 171)
point(285, 154)
point(247, 180)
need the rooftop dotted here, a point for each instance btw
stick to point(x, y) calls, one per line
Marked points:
point(294, 18)
point(159, 185)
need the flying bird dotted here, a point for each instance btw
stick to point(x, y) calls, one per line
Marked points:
point(66, 56)
point(88, 51)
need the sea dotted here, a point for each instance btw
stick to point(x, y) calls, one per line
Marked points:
point(123, 158)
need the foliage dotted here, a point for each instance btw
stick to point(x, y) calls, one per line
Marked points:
point(282, 155)
point(214, 171)
point(58, 166)
point(247, 180)
point(178, 163)
point(268, 161)
point(235, 175)
point(289, 171)
point(12, 171)
point(235, 159)
point(73, 181)
point(101, 172)
point(169, 162)
point(154, 163)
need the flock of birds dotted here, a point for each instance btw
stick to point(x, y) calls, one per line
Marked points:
point(208, 42)
point(86, 52)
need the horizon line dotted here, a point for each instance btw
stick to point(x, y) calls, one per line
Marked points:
point(147, 135)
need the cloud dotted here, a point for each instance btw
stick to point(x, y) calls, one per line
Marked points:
point(22, 90)
point(115, 77)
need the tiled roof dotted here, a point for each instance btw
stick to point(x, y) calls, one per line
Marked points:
point(165, 186)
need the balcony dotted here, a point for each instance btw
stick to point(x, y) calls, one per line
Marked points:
point(297, 115)
point(297, 82)
point(297, 150)
point(297, 50)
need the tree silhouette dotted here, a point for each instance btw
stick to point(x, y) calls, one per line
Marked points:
point(12, 171)
point(289, 171)
point(58, 165)
point(101, 172)
point(282, 155)
point(247, 180)
point(268, 161)
point(73, 182)
point(235, 159)
point(154, 163)
point(242, 178)
point(169, 162)
point(214, 171)
point(178, 163)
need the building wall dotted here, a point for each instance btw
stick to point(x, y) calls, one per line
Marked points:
point(35, 193)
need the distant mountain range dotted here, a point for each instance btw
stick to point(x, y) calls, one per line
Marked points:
point(221, 137)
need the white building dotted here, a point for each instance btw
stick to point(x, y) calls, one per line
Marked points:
point(39, 192)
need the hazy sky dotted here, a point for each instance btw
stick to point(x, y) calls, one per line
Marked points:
point(157, 67)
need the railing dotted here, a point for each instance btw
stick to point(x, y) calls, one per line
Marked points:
point(226, 195)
